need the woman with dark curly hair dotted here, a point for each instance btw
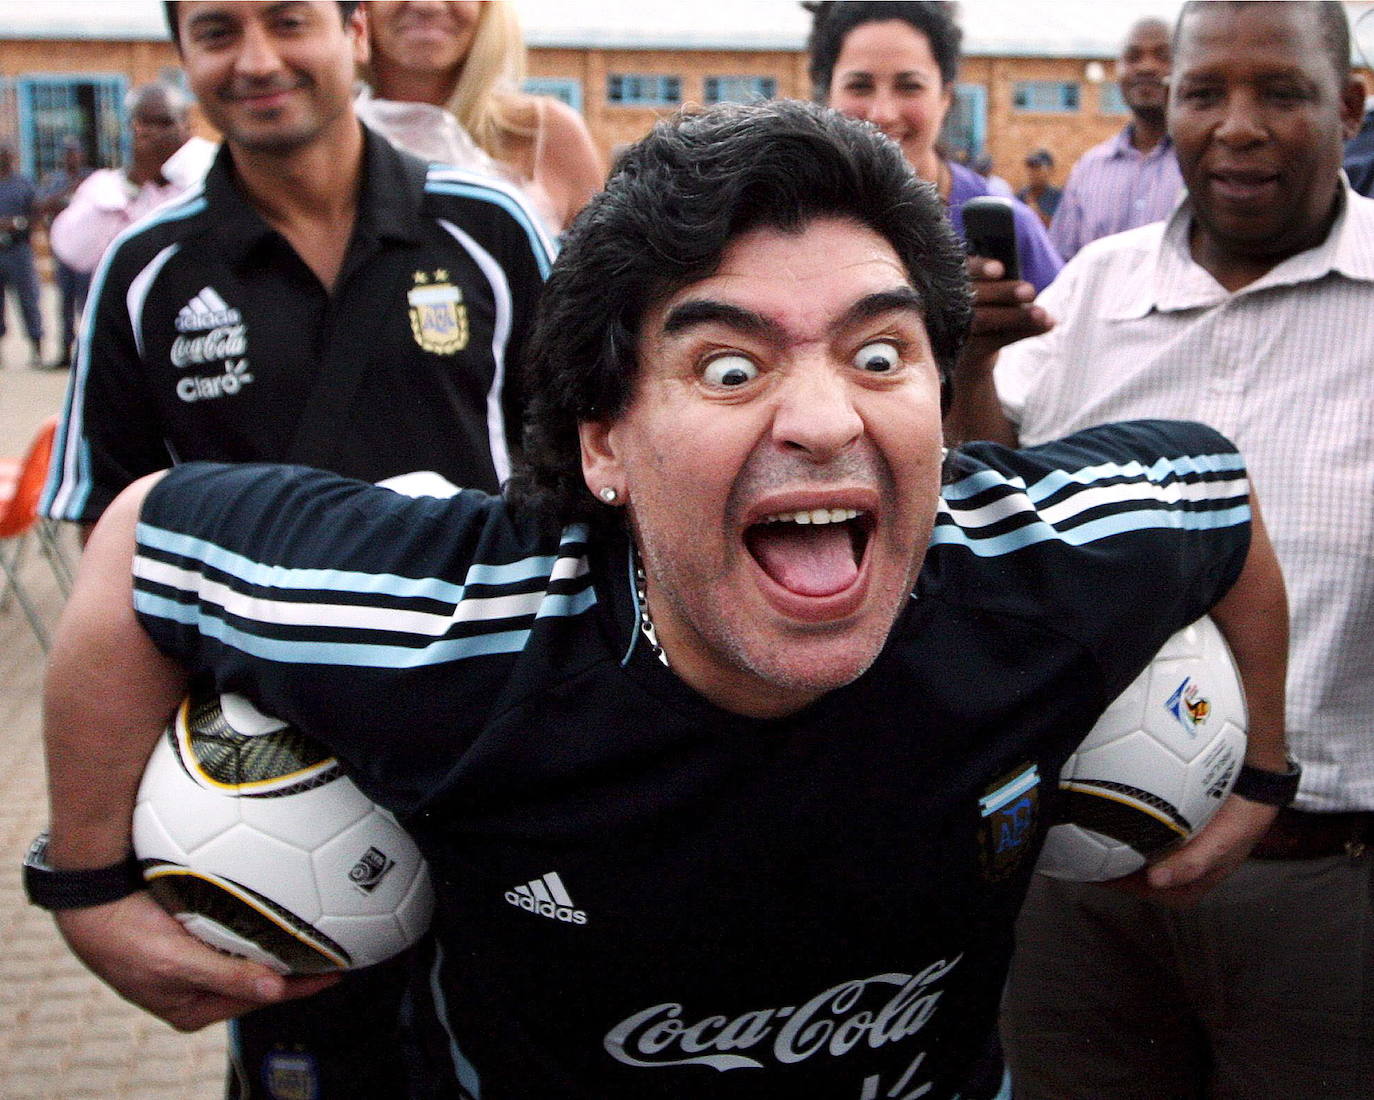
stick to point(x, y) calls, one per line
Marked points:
point(894, 65)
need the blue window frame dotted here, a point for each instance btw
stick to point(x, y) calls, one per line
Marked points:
point(566, 88)
point(1052, 96)
point(643, 90)
point(87, 106)
point(966, 123)
point(739, 89)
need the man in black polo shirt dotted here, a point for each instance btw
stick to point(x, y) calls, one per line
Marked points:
point(773, 717)
point(322, 299)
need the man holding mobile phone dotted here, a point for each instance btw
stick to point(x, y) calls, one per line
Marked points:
point(1251, 308)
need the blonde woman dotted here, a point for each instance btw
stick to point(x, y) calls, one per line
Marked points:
point(444, 83)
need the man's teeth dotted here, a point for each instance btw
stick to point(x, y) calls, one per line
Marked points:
point(814, 515)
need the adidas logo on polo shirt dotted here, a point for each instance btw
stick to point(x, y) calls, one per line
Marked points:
point(206, 310)
point(547, 897)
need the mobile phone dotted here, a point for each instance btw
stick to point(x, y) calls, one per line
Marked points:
point(990, 232)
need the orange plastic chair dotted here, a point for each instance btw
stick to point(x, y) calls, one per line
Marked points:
point(21, 484)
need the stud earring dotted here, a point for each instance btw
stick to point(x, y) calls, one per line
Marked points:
point(609, 495)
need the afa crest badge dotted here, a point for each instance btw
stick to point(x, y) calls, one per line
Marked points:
point(289, 1075)
point(1009, 809)
point(438, 316)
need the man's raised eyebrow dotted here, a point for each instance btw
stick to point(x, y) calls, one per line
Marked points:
point(905, 298)
point(709, 311)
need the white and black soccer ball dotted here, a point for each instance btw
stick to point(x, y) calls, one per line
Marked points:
point(1156, 766)
point(250, 834)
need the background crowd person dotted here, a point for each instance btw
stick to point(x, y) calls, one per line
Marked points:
point(895, 65)
point(53, 197)
point(1359, 153)
point(112, 199)
point(18, 275)
point(1131, 179)
point(322, 298)
point(783, 792)
point(982, 164)
point(445, 82)
point(1251, 309)
point(1040, 194)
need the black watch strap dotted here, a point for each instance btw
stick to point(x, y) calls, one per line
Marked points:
point(1270, 788)
point(50, 888)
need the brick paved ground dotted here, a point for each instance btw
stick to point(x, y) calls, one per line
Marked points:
point(63, 1035)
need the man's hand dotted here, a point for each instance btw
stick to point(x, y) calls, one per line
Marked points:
point(1182, 877)
point(149, 959)
point(1004, 311)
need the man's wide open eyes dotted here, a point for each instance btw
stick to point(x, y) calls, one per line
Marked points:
point(879, 357)
point(730, 370)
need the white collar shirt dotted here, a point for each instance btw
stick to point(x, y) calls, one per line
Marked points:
point(1285, 367)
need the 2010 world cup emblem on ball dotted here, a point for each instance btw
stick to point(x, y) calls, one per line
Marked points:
point(370, 869)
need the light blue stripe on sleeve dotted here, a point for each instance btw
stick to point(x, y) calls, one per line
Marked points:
point(70, 479)
point(1228, 462)
point(980, 482)
point(1180, 467)
point(1093, 531)
point(356, 654)
point(566, 604)
point(539, 244)
point(338, 580)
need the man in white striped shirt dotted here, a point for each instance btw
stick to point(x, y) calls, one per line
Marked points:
point(1252, 309)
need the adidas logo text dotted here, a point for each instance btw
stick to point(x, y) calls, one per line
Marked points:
point(546, 897)
point(207, 310)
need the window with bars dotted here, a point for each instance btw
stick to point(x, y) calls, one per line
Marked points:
point(49, 108)
point(739, 89)
point(643, 90)
point(1054, 96)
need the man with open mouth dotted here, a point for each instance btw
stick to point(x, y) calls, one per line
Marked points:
point(730, 738)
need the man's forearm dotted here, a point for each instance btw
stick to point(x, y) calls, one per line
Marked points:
point(1253, 616)
point(975, 412)
point(108, 694)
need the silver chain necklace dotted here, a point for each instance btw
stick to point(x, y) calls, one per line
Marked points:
point(646, 624)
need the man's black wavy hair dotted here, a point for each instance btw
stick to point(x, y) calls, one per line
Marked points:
point(674, 203)
point(169, 12)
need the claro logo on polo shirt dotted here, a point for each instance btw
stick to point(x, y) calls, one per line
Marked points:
point(205, 388)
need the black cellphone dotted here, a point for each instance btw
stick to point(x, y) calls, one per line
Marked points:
point(990, 232)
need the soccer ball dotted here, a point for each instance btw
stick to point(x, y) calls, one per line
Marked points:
point(250, 834)
point(1156, 766)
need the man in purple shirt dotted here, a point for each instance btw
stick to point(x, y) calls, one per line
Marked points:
point(1131, 179)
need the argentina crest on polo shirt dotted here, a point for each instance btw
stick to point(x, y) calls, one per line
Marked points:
point(291, 1075)
point(438, 315)
point(1009, 808)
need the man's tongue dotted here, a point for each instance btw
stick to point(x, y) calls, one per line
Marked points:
point(815, 560)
